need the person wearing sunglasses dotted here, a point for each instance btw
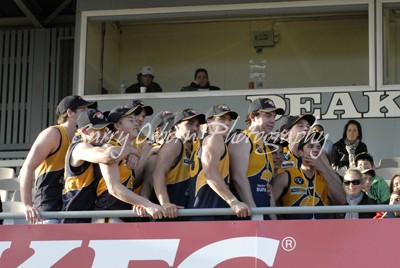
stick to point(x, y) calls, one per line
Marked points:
point(353, 184)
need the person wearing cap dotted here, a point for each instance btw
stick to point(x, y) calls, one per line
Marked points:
point(306, 185)
point(115, 188)
point(293, 129)
point(375, 186)
point(252, 165)
point(171, 172)
point(276, 145)
point(350, 145)
point(201, 82)
point(145, 79)
point(82, 173)
point(44, 164)
point(156, 127)
point(328, 147)
point(209, 172)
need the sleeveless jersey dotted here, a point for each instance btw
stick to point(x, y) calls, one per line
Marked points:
point(80, 183)
point(178, 176)
point(50, 176)
point(260, 170)
point(105, 200)
point(289, 160)
point(302, 191)
point(200, 193)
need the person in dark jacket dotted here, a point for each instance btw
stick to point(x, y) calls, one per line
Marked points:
point(146, 81)
point(201, 82)
point(352, 184)
point(350, 145)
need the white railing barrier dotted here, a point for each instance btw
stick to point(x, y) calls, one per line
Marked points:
point(257, 212)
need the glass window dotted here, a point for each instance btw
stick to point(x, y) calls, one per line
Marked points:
point(325, 47)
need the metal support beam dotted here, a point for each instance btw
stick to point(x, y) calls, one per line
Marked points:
point(28, 13)
point(56, 11)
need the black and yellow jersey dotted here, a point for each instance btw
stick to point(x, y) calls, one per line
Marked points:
point(50, 176)
point(105, 201)
point(80, 185)
point(289, 160)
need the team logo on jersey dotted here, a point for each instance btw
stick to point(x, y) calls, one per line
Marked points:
point(299, 180)
point(258, 149)
point(286, 157)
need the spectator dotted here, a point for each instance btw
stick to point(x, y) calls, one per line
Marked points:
point(82, 173)
point(171, 172)
point(394, 183)
point(350, 145)
point(145, 79)
point(317, 127)
point(201, 82)
point(45, 162)
point(307, 186)
point(115, 189)
point(378, 190)
point(252, 165)
point(394, 200)
point(209, 172)
point(277, 146)
point(352, 184)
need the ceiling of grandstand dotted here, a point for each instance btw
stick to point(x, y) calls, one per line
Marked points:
point(36, 13)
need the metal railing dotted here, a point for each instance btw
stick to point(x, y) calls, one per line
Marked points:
point(257, 212)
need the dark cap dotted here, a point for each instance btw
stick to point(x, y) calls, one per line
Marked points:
point(264, 105)
point(71, 102)
point(290, 120)
point(188, 114)
point(167, 123)
point(92, 118)
point(274, 138)
point(313, 137)
point(364, 156)
point(220, 110)
point(158, 119)
point(121, 111)
point(148, 109)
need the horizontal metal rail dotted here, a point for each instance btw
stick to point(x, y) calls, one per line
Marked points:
point(257, 212)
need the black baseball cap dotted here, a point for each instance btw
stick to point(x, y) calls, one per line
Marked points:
point(149, 110)
point(92, 118)
point(121, 111)
point(71, 102)
point(158, 119)
point(364, 156)
point(290, 120)
point(187, 114)
point(264, 105)
point(220, 110)
point(274, 138)
point(313, 137)
point(167, 123)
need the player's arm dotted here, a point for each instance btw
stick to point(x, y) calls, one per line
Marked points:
point(239, 163)
point(46, 143)
point(146, 187)
point(213, 148)
point(105, 154)
point(166, 158)
point(117, 189)
point(336, 192)
point(279, 184)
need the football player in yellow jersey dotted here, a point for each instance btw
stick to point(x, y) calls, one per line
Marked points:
point(46, 158)
point(208, 186)
point(171, 173)
point(251, 166)
point(81, 172)
point(308, 186)
point(117, 177)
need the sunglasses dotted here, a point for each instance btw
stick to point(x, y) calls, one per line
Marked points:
point(355, 182)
